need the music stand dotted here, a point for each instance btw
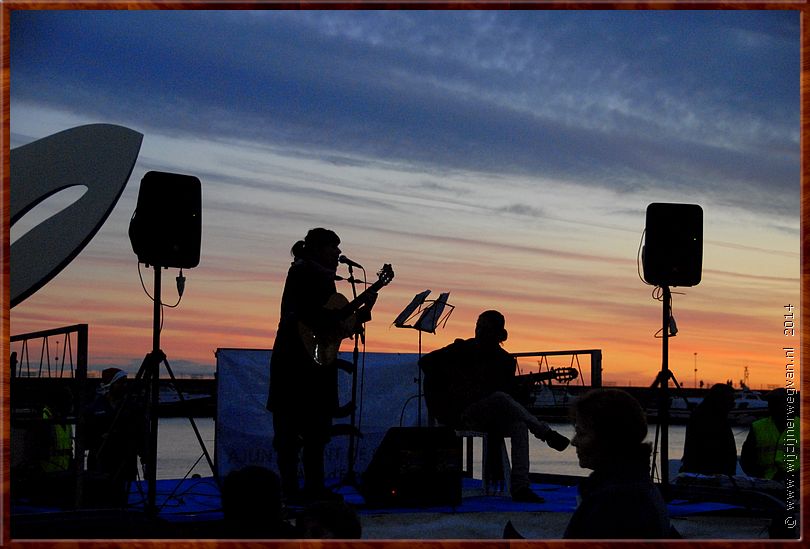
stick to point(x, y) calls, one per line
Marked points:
point(429, 320)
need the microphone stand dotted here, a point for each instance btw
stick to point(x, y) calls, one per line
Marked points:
point(350, 473)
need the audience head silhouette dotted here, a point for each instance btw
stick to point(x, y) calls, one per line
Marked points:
point(777, 406)
point(719, 399)
point(610, 428)
point(251, 504)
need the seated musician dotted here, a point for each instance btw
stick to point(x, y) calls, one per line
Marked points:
point(470, 385)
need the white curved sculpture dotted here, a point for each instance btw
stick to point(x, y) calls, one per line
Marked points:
point(98, 156)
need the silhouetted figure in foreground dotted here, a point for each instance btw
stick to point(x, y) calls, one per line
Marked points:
point(470, 385)
point(303, 394)
point(328, 520)
point(766, 452)
point(251, 504)
point(116, 436)
point(709, 448)
point(618, 499)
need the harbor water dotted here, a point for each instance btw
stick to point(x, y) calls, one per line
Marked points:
point(180, 454)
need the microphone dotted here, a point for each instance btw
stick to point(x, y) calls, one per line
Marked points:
point(345, 260)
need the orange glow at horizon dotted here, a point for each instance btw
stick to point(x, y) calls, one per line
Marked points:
point(623, 329)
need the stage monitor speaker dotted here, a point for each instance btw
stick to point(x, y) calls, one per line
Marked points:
point(673, 244)
point(415, 467)
point(166, 228)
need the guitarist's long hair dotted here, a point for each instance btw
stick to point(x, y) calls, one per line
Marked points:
point(316, 238)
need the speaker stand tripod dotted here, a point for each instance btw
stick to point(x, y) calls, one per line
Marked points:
point(149, 375)
point(662, 380)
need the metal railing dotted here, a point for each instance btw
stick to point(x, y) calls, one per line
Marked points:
point(21, 362)
point(21, 371)
point(594, 354)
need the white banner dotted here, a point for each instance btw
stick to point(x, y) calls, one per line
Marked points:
point(387, 387)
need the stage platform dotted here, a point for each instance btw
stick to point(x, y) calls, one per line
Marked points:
point(188, 508)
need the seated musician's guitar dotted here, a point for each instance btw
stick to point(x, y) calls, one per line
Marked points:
point(323, 347)
point(525, 382)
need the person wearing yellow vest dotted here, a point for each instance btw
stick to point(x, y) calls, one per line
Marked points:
point(771, 447)
point(60, 440)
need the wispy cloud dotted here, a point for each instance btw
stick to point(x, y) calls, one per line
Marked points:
point(567, 95)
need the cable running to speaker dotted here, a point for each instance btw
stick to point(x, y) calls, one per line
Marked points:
point(638, 257)
point(181, 285)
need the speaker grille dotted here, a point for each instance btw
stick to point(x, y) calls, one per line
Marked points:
point(673, 244)
point(415, 466)
point(166, 228)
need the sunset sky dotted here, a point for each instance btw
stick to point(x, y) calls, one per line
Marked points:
point(507, 157)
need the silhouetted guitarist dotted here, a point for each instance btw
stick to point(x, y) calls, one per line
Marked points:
point(303, 393)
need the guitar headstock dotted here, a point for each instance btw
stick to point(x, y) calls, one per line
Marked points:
point(385, 275)
point(564, 375)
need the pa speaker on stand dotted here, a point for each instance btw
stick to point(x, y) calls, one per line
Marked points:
point(673, 244)
point(165, 232)
point(166, 227)
point(672, 256)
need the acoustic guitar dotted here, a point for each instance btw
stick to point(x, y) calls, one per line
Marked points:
point(525, 382)
point(323, 347)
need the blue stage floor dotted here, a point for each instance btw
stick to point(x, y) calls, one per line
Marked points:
point(199, 499)
point(192, 508)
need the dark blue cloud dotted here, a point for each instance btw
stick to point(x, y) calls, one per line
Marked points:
point(704, 101)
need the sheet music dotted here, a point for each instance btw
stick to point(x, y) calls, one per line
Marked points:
point(431, 316)
point(406, 313)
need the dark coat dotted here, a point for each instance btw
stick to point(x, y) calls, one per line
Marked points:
point(115, 438)
point(462, 373)
point(709, 447)
point(297, 383)
point(620, 502)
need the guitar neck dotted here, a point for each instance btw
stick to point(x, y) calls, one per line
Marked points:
point(558, 374)
point(531, 378)
point(355, 303)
